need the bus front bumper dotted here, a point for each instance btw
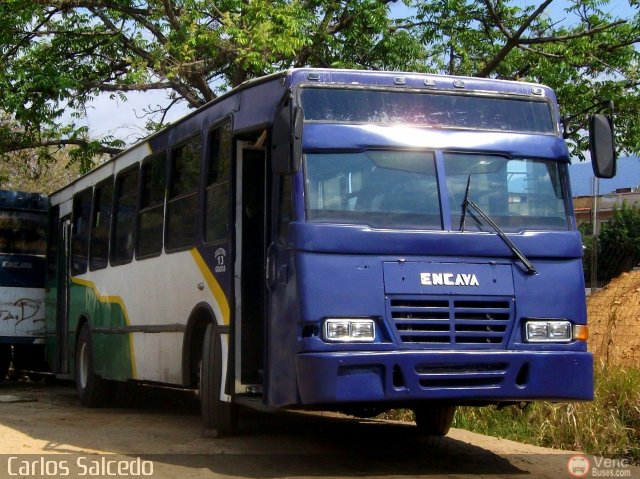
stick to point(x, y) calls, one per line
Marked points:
point(469, 376)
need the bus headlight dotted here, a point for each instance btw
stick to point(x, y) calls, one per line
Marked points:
point(551, 331)
point(349, 329)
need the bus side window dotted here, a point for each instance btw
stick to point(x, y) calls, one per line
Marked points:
point(126, 199)
point(183, 195)
point(101, 225)
point(80, 237)
point(218, 173)
point(151, 216)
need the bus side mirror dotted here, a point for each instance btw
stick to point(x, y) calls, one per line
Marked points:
point(286, 139)
point(602, 146)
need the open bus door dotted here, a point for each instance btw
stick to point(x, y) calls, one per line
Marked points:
point(281, 283)
point(282, 325)
point(263, 212)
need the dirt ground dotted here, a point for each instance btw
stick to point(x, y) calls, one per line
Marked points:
point(614, 321)
point(43, 426)
point(44, 432)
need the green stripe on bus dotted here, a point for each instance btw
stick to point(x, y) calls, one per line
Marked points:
point(114, 357)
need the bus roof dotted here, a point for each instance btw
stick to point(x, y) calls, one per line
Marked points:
point(417, 81)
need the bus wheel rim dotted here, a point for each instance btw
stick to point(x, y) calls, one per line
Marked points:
point(84, 365)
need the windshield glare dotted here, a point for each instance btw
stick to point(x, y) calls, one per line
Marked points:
point(399, 189)
point(436, 109)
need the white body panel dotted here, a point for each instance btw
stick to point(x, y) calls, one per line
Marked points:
point(159, 292)
point(22, 312)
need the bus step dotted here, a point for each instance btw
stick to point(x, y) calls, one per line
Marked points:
point(253, 402)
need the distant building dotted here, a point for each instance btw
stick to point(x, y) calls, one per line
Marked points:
point(627, 175)
point(605, 204)
point(624, 187)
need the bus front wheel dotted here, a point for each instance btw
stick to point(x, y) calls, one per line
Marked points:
point(219, 417)
point(91, 388)
point(5, 359)
point(434, 420)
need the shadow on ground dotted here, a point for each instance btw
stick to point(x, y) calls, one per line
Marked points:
point(267, 445)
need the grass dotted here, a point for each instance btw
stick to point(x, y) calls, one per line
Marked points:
point(607, 426)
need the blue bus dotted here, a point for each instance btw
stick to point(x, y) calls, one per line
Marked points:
point(332, 239)
point(23, 235)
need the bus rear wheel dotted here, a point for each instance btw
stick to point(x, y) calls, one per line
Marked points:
point(92, 389)
point(5, 359)
point(219, 417)
point(434, 420)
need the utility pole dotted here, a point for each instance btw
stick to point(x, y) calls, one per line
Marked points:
point(595, 191)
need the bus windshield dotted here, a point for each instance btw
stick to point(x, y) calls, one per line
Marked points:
point(518, 194)
point(23, 232)
point(399, 189)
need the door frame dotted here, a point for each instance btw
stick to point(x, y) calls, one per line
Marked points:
point(241, 147)
point(63, 294)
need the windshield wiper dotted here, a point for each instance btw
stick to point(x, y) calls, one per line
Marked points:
point(516, 251)
point(465, 203)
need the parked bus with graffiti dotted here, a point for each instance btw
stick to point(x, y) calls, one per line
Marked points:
point(345, 240)
point(23, 234)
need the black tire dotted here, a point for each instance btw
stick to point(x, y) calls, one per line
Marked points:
point(219, 418)
point(5, 359)
point(92, 389)
point(434, 420)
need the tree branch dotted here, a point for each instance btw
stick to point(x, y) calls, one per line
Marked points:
point(171, 15)
point(564, 38)
point(496, 19)
point(154, 30)
point(180, 87)
point(512, 41)
point(306, 52)
point(102, 149)
point(106, 4)
point(28, 36)
point(109, 87)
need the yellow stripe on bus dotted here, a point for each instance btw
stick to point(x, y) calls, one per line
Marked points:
point(112, 300)
point(214, 286)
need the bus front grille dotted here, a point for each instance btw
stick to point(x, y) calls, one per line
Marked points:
point(445, 321)
point(483, 375)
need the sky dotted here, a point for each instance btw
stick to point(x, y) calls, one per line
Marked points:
point(125, 119)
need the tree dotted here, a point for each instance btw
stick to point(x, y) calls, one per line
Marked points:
point(587, 57)
point(59, 54)
point(619, 242)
